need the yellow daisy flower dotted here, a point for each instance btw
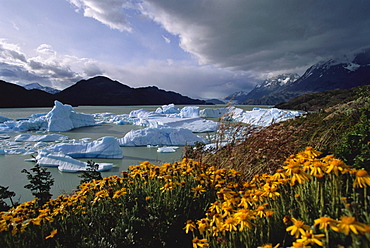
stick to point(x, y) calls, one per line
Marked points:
point(297, 228)
point(309, 238)
point(348, 224)
point(362, 179)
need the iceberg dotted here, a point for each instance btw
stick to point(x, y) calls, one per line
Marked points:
point(61, 118)
point(166, 149)
point(163, 136)
point(168, 109)
point(4, 119)
point(38, 138)
point(213, 113)
point(189, 112)
point(264, 117)
point(66, 163)
point(64, 118)
point(105, 147)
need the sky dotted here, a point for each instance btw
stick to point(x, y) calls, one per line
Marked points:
point(199, 48)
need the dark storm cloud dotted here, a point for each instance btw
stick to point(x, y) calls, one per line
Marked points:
point(265, 35)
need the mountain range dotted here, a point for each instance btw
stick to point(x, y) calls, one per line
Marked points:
point(97, 91)
point(37, 86)
point(341, 73)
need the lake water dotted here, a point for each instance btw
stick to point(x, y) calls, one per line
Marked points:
point(11, 165)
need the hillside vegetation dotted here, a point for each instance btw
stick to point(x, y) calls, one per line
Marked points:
point(322, 100)
point(341, 129)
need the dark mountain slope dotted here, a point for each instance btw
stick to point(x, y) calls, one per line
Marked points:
point(15, 96)
point(102, 91)
point(325, 99)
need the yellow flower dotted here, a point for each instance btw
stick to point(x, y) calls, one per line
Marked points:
point(336, 165)
point(310, 153)
point(309, 238)
point(203, 224)
point(317, 168)
point(199, 243)
point(167, 187)
point(270, 190)
point(52, 234)
point(279, 174)
point(215, 207)
point(297, 228)
point(362, 179)
point(230, 224)
point(217, 220)
point(299, 176)
point(198, 190)
point(325, 222)
point(261, 211)
point(190, 226)
point(347, 224)
point(119, 193)
point(244, 219)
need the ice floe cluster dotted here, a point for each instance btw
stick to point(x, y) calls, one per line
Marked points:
point(165, 128)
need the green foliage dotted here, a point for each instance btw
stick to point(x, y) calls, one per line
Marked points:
point(355, 145)
point(91, 172)
point(40, 183)
point(6, 194)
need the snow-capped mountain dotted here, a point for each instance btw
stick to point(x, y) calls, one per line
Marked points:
point(264, 88)
point(236, 98)
point(40, 87)
point(343, 73)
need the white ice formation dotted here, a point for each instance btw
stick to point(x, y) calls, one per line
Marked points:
point(36, 138)
point(160, 136)
point(105, 147)
point(61, 118)
point(66, 163)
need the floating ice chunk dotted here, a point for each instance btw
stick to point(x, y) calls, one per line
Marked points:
point(74, 168)
point(168, 109)
point(4, 119)
point(196, 125)
point(106, 147)
point(2, 137)
point(213, 113)
point(140, 113)
point(266, 117)
point(160, 136)
point(37, 138)
point(167, 149)
point(64, 118)
point(60, 118)
point(189, 112)
point(55, 159)
point(65, 163)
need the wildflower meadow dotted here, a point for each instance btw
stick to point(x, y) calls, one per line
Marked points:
point(311, 201)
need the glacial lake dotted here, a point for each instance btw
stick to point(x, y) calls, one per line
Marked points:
point(11, 165)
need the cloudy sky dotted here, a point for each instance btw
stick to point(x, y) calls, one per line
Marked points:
point(199, 48)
